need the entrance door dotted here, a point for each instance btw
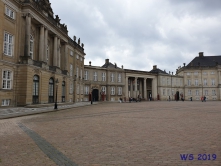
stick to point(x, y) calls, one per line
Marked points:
point(177, 95)
point(95, 94)
point(35, 96)
point(149, 95)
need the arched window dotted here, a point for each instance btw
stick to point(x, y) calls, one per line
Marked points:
point(35, 93)
point(31, 46)
point(51, 90)
point(63, 91)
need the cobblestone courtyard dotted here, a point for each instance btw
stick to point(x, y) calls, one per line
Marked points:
point(146, 133)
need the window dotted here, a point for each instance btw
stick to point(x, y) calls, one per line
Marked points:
point(78, 89)
point(214, 92)
point(119, 77)
point(112, 90)
point(189, 92)
point(71, 87)
point(129, 84)
point(167, 81)
point(196, 83)
point(6, 102)
point(138, 84)
point(86, 90)
point(168, 92)
point(77, 56)
point(51, 90)
point(204, 73)
point(205, 82)
point(31, 52)
point(197, 92)
point(71, 69)
point(112, 77)
point(35, 90)
point(47, 53)
point(81, 58)
point(71, 53)
point(213, 81)
point(188, 73)
point(212, 72)
point(81, 73)
point(164, 92)
point(103, 76)
point(119, 90)
point(103, 90)
point(206, 92)
point(95, 76)
point(82, 89)
point(176, 81)
point(10, 13)
point(195, 73)
point(189, 82)
point(86, 75)
point(77, 72)
point(8, 44)
point(6, 79)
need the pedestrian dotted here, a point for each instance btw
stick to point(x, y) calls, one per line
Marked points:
point(204, 98)
point(169, 98)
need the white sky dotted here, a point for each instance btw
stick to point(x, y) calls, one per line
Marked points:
point(141, 33)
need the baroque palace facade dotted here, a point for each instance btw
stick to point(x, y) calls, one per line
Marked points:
point(41, 64)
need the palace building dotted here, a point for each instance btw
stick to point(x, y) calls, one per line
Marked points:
point(41, 64)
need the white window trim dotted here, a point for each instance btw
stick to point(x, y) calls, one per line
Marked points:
point(112, 90)
point(95, 76)
point(7, 44)
point(103, 76)
point(103, 89)
point(7, 79)
point(9, 11)
point(71, 70)
point(6, 102)
point(86, 75)
point(112, 77)
point(119, 90)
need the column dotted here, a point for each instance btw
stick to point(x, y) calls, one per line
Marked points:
point(55, 51)
point(27, 35)
point(126, 90)
point(135, 88)
point(58, 54)
point(65, 63)
point(145, 88)
point(154, 88)
point(46, 56)
point(41, 44)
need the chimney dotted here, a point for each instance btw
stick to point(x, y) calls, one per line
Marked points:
point(106, 61)
point(89, 63)
point(172, 73)
point(115, 65)
point(122, 67)
point(201, 54)
point(154, 67)
point(184, 64)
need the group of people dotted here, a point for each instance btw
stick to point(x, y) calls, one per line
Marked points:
point(203, 98)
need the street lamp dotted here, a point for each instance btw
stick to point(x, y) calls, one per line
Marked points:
point(55, 104)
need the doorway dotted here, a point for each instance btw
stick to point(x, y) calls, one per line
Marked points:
point(95, 94)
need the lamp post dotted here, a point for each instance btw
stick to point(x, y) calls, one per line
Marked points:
point(55, 104)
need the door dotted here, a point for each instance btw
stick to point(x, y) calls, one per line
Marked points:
point(35, 96)
point(51, 91)
point(95, 94)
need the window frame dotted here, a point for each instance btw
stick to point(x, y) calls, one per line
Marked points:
point(8, 80)
point(9, 11)
point(8, 47)
point(112, 90)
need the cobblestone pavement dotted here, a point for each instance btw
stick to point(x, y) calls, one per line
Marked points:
point(120, 134)
point(20, 111)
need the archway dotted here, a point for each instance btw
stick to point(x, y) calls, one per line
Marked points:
point(95, 94)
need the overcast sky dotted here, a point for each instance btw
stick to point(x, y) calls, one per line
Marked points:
point(141, 33)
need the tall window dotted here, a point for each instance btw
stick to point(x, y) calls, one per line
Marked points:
point(189, 82)
point(196, 82)
point(197, 92)
point(47, 53)
point(77, 56)
point(112, 77)
point(6, 79)
point(95, 76)
point(35, 89)
point(103, 76)
point(188, 73)
point(213, 81)
point(71, 87)
point(167, 81)
point(129, 84)
point(77, 72)
point(205, 82)
point(206, 92)
point(81, 73)
point(195, 73)
point(119, 77)
point(78, 89)
point(86, 75)
point(168, 92)
point(86, 90)
point(51, 90)
point(213, 92)
point(138, 84)
point(112, 90)
point(119, 90)
point(31, 46)
point(189, 92)
point(8, 44)
point(10, 13)
point(103, 89)
point(71, 53)
point(71, 69)
point(164, 92)
point(63, 91)
point(6, 102)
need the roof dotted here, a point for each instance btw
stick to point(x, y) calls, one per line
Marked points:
point(158, 71)
point(206, 61)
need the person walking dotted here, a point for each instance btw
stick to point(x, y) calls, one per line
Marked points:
point(169, 98)
point(204, 98)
